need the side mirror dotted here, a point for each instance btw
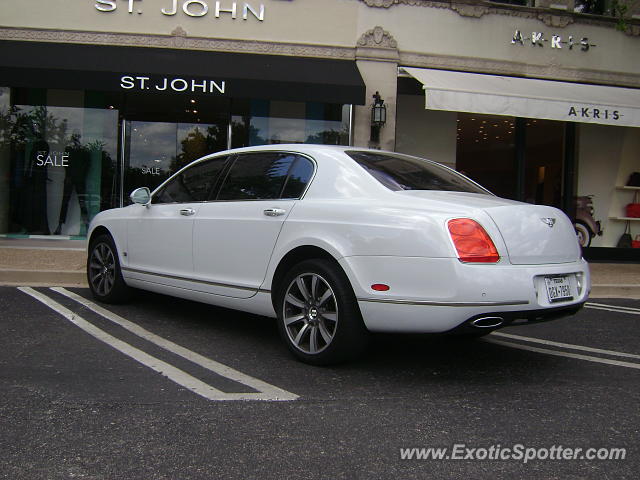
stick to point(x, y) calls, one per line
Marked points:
point(141, 196)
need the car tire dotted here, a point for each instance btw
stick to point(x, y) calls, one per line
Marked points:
point(103, 271)
point(318, 315)
point(583, 233)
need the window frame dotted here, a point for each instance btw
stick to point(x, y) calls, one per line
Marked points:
point(402, 156)
point(226, 168)
point(234, 158)
point(158, 191)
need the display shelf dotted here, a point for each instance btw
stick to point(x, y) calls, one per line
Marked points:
point(636, 194)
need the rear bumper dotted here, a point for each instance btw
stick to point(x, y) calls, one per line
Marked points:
point(507, 319)
point(440, 295)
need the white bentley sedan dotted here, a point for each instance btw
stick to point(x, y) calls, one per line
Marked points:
point(337, 242)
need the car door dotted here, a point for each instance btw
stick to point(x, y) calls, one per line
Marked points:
point(160, 235)
point(236, 232)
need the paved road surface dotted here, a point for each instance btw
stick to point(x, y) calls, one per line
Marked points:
point(162, 388)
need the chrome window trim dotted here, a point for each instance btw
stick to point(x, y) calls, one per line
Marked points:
point(286, 152)
point(192, 164)
point(419, 159)
point(227, 167)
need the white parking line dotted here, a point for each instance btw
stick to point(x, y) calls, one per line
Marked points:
point(578, 356)
point(612, 308)
point(266, 391)
point(569, 346)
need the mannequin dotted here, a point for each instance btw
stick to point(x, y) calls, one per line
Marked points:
point(75, 177)
point(34, 191)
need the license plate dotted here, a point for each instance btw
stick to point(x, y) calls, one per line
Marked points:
point(558, 288)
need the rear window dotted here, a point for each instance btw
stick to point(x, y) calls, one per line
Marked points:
point(401, 172)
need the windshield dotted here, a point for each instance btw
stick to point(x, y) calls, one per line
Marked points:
point(401, 172)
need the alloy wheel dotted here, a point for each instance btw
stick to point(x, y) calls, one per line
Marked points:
point(310, 313)
point(102, 269)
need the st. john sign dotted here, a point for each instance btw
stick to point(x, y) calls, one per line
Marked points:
point(191, 8)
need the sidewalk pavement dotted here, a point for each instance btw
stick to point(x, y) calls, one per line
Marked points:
point(49, 262)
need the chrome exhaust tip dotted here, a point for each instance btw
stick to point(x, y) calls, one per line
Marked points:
point(487, 322)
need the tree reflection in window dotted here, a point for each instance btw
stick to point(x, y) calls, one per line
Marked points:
point(194, 184)
point(262, 176)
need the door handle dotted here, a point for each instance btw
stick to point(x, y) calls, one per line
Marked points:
point(274, 212)
point(187, 212)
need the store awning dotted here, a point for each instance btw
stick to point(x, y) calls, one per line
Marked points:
point(530, 98)
point(164, 70)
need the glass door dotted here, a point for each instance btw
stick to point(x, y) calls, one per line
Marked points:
point(155, 150)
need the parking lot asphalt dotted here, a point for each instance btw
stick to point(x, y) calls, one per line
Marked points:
point(162, 388)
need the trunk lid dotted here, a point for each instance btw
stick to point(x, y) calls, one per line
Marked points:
point(536, 234)
point(533, 234)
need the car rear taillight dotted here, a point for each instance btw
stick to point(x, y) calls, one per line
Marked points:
point(472, 242)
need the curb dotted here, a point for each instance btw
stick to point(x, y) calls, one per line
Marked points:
point(631, 291)
point(61, 278)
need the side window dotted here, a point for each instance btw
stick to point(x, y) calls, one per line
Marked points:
point(299, 176)
point(257, 176)
point(192, 185)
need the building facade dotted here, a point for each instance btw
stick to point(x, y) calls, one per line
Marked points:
point(538, 102)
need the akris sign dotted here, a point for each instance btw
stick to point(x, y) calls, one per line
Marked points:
point(537, 39)
point(191, 8)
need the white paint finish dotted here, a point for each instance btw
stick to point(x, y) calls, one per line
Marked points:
point(116, 219)
point(233, 242)
point(557, 353)
point(530, 241)
point(172, 373)
point(371, 230)
point(471, 283)
point(267, 391)
point(402, 318)
point(394, 229)
point(527, 241)
point(259, 304)
point(408, 278)
point(449, 280)
point(160, 238)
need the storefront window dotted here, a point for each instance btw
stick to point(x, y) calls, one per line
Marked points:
point(61, 158)
point(486, 151)
point(5, 145)
point(66, 155)
point(156, 150)
point(276, 122)
point(544, 155)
